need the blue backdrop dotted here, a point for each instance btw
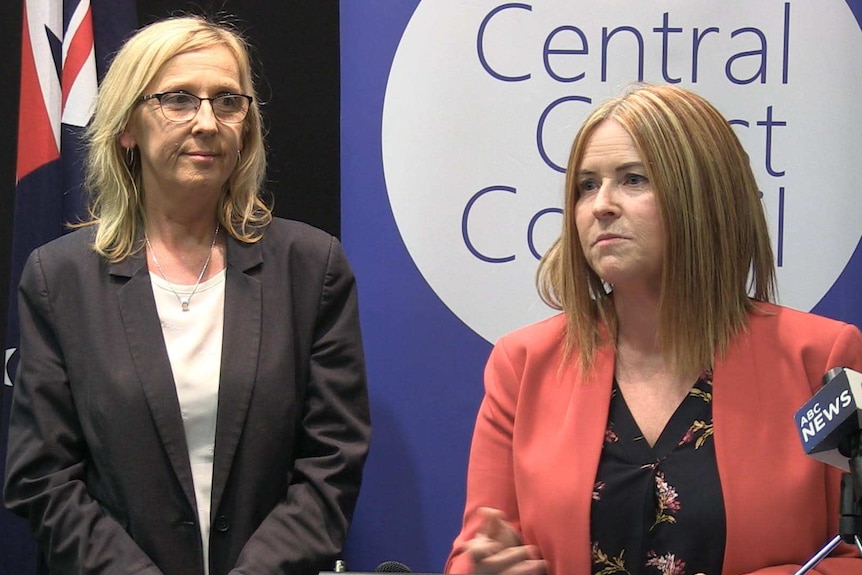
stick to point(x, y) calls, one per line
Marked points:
point(425, 365)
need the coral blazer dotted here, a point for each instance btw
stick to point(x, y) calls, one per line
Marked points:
point(539, 433)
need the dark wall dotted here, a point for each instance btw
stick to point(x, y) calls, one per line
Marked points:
point(10, 65)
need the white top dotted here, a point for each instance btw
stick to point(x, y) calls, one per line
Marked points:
point(194, 340)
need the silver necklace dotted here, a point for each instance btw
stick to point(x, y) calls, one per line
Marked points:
point(183, 302)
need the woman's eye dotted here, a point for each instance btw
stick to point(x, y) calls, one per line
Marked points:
point(635, 179)
point(587, 186)
point(178, 100)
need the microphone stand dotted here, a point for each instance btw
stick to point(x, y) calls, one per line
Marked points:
point(850, 522)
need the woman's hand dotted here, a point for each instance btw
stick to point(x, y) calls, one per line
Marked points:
point(497, 548)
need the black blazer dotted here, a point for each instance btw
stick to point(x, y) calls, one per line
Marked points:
point(97, 457)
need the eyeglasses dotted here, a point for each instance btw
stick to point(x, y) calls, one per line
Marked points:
point(182, 106)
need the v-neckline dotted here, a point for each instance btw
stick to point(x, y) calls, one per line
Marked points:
point(671, 435)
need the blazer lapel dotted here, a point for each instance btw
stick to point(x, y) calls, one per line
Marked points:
point(147, 348)
point(736, 398)
point(240, 350)
point(590, 400)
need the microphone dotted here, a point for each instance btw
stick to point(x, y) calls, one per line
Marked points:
point(829, 423)
point(385, 567)
point(392, 567)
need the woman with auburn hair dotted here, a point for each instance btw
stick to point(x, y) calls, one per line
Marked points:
point(191, 394)
point(648, 428)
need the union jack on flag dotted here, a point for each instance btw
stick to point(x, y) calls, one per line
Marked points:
point(65, 46)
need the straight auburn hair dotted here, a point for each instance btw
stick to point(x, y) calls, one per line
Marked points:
point(718, 259)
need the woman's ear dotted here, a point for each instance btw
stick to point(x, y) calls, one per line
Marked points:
point(127, 140)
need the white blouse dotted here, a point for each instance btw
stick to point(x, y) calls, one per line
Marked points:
point(194, 339)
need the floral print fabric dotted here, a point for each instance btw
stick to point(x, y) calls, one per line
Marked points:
point(659, 510)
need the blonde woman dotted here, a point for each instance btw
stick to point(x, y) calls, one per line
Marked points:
point(191, 394)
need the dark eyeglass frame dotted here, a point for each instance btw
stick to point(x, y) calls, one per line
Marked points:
point(158, 96)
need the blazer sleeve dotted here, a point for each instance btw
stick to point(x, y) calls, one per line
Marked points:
point(47, 455)
point(306, 531)
point(846, 352)
point(490, 473)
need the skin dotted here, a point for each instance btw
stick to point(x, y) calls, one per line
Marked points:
point(185, 165)
point(617, 215)
point(619, 229)
point(497, 548)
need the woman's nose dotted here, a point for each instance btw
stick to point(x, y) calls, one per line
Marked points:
point(604, 202)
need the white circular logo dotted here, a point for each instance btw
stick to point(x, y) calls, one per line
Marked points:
point(484, 99)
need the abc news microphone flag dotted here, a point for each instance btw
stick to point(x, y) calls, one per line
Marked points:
point(65, 47)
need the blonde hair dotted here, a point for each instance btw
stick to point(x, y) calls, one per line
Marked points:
point(113, 178)
point(717, 247)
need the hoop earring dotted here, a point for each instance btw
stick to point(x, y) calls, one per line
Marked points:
point(130, 156)
point(238, 156)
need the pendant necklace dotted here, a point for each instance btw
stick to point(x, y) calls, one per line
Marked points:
point(183, 302)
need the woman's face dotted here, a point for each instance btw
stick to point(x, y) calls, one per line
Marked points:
point(617, 215)
point(193, 157)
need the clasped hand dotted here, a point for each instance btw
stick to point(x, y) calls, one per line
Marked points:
point(497, 548)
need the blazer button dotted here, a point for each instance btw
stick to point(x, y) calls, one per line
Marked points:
point(222, 523)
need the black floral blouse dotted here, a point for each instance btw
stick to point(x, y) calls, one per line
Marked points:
point(659, 510)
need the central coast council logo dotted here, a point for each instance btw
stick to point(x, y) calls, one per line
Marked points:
point(484, 99)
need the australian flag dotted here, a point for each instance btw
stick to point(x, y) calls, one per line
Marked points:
point(66, 45)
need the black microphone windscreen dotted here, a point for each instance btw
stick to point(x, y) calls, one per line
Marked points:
point(392, 567)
